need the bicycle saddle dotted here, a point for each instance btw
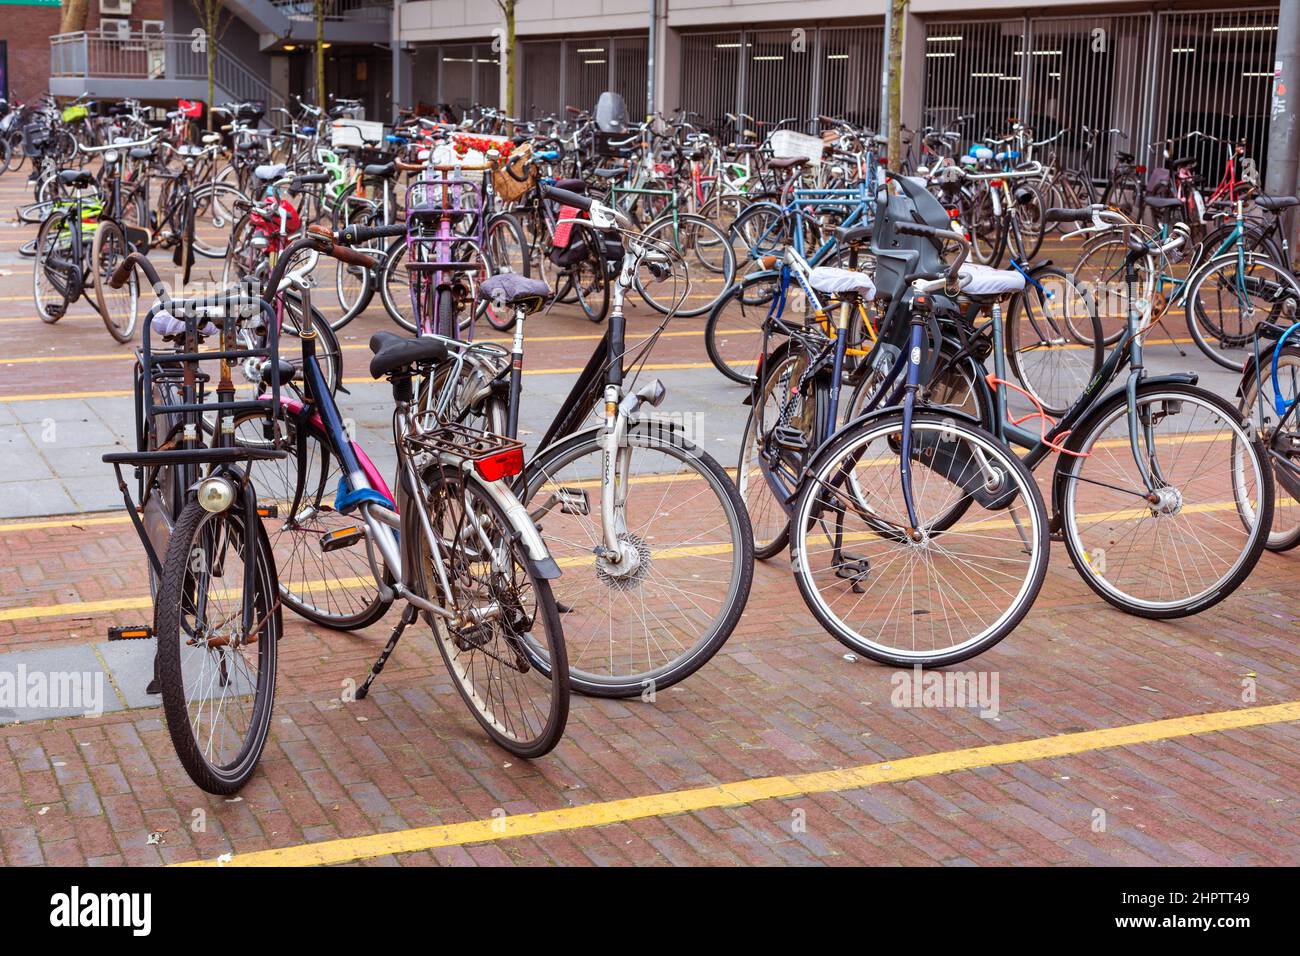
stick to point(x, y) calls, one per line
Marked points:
point(1124, 157)
point(788, 162)
point(987, 281)
point(75, 178)
point(510, 288)
point(393, 352)
point(381, 169)
point(611, 172)
point(831, 280)
point(1276, 203)
point(270, 172)
point(1163, 202)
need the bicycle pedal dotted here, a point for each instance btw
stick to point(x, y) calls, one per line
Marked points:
point(130, 632)
point(790, 439)
point(342, 538)
point(268, 511)
point(573, 501)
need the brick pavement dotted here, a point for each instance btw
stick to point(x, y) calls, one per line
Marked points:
point(780, 698)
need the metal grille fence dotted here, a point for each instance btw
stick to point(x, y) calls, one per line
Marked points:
point(784, 74)
point(1215, 73)
point(467, 75)
point(1151, 75)
point(559, 73)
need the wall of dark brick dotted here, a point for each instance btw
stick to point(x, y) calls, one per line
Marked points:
point(26, 32)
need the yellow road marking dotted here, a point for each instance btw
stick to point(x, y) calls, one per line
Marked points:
point(129, 354)
point(366, 380)
point(743, 792)
point(87, 608)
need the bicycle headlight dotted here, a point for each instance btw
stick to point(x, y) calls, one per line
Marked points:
point(216, 494)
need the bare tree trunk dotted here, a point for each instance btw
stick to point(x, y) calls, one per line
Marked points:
point(509, 54)
point(212, 78)
point(320, 52)
point(74, 15)
point(896, 83)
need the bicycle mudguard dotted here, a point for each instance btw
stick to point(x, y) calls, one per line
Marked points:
point(540, 562)
point(931, 453)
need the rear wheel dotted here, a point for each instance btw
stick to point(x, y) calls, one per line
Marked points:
point(504, 647)
point(56, 279)
point(1047, 358)
point(334, 588)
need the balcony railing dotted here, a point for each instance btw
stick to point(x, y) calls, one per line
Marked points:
point(153, 56)
point(375, 11)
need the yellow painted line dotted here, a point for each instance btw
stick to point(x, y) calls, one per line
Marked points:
point(743, 792)
point(129, 354)
point(73, 522)
point(123, 393)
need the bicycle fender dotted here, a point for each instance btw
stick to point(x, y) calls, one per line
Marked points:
point(880, 413)
point(540, 561)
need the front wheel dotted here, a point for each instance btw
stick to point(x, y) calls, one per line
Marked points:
point(119, 308)
point(935, 592)
point(650, 616)
point(696, 283)
point(1176, 548)
point(1230, 298)
point(218, 626)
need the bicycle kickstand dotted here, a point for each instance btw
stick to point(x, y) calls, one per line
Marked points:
point(409, 614)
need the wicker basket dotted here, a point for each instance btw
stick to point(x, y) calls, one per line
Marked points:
point(507, 187)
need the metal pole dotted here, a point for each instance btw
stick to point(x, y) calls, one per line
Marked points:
point(1283, 130)
point(651, 41)
point(884, 69)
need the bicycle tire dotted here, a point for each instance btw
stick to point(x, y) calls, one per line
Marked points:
point(174, 595)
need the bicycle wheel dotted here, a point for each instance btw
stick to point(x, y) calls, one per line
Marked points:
point(987, 230)
point(1284, 533)
point(355, 285)
point(218, 640)
point(762, 461)
point(699, 289)
point(652, 618)
point(119, 308)
point(1044, 353)
point(505, 647)
point(334, 588)
point(589, 282)
point(1099, 274)
point(1230, 297)
point(213, 208)
point(1029, 212)
point(56, 279)
point(508, 252)
point(943, 592)
point(1125, 194)
point(1184, 551)
point(733, 330)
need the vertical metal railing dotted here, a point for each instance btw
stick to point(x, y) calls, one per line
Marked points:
point(559, 73)
point(1215, 70)
point(784, 73)
point(1150, 75)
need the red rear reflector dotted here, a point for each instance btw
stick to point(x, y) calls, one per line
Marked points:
point(503, 464)
point(1141, 169)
